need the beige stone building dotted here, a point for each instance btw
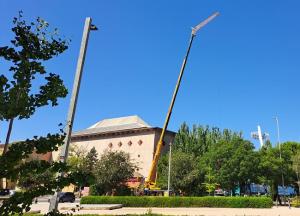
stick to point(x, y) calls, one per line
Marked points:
point(129, 134)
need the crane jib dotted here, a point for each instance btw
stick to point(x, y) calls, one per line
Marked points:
point(151, 179)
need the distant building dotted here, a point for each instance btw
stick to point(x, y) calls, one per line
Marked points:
point(129, 134)
point(34, 156)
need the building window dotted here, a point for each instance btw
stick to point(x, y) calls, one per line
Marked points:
point(129, 143)
point(110, 145)
point(137, 169)
point(140, 142)
point(120, 144)
point(139, 155)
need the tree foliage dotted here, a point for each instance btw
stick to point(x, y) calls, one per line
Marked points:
point(76, 158)
point(33, 44)
point(233, 162)
point(112, 171)
point(296, 167)
point(199, 139)
point(229, 158)
point(91, 159)
point(14, 166)
point(276, 163)
point(83, 163)
point(201, 147)
point(27, 86)
point(210, 183)
point(185, 175)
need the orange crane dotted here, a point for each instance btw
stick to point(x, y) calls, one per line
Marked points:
point(150, 182)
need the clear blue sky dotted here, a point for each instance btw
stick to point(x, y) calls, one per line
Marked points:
point(243, 68)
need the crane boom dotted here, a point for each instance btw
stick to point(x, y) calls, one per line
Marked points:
point(151, 179)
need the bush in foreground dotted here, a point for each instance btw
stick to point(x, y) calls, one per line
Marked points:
point(295, 202)
point(148, 201)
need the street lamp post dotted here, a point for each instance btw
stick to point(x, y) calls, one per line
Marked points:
point(73, 102)
point(169, 171)
point(279, 146)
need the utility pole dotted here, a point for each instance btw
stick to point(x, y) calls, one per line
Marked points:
point(73, 102)
point(169, 171)
point(279, 146)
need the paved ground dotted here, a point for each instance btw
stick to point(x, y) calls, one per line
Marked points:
point(275, 211)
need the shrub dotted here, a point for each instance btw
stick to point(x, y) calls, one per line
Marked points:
point(96, 191)
point(151, 201)
point(295, 202)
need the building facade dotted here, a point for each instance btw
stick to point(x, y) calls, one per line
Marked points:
point(129, 134)
point(6, 183)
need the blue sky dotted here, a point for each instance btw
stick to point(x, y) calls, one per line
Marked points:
point(242, 71)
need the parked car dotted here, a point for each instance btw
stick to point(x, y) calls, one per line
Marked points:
point(220, 192)
point(66, 197)
point(4, 192)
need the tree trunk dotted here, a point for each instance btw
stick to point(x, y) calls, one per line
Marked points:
point(79, 191)
point(275, 194)
point(11, 121)
point(243, 190)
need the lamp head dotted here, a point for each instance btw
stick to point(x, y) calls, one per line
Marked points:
point(203, 23)
point(93, 27)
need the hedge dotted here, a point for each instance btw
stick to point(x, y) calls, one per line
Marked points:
point(152, 201)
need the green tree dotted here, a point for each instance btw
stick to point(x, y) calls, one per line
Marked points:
point(185, 175)
point(233, 162)
point(82, 163)
point(271, 168)
point(199, 139)
point(32, 45)
point(210, 184)
point(289, 154)
point(13, 165)
point(91, 159)
point(230, 158)
point(19, 97)
point(76, 158)
point(276, 163)
point(112, 171)
point(296, 167)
